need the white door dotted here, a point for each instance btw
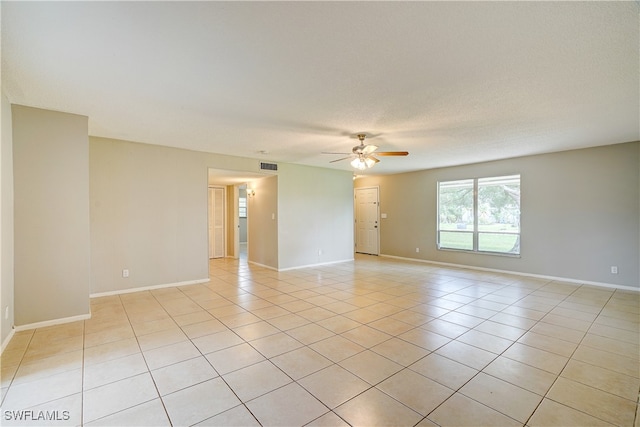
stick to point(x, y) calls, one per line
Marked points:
point(216, 222)
point(367, 204)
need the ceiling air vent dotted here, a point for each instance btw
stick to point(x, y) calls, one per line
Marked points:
point(268, 166)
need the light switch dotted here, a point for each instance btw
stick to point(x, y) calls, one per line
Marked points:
point(383, 216)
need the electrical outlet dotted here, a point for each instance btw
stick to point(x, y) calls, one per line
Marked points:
point(125, 273)
point(417, 250)
point(614, 269)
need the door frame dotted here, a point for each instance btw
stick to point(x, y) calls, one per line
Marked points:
point(236, 220)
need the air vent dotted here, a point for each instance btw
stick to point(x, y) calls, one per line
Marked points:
point(268, 166)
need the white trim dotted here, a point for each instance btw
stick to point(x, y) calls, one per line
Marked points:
point(518, 273)
point(263, 265)
point(53, 322)
point(300, 266)
point(7, 339)
point(148, 288)
point(316, 265)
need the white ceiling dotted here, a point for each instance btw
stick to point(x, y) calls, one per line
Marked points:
point(452, 83)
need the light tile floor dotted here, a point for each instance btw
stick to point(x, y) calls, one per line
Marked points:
point(373, 342)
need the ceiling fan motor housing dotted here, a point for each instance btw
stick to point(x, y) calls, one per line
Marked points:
point(364, 154)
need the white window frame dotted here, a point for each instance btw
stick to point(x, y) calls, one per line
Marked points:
point(475, 232)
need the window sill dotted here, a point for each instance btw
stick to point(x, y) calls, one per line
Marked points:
point(500, 254)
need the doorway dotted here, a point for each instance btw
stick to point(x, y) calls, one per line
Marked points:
point(225, 213)
point(367, 231)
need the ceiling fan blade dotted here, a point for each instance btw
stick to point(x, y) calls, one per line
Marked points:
point(392, 153)
point(368, 149)
point(373, 158)
point(337, 160)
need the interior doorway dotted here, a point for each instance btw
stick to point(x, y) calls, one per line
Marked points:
point(367, 220)
point(232, 182)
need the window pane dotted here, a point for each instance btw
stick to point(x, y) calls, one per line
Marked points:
point(456, 240)
point(242, 207)
point(504, 243)
point(455, 205)
point(499, 212)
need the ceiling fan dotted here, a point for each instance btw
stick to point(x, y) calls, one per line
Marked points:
point(362, 154)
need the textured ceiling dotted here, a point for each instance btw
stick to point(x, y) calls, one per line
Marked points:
point(452, 83)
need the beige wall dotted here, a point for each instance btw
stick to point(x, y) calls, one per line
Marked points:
point(86, 208)
point(580, 214)
point(316, 216)
point(6, 229)
point(51, 184)
point(263, 222)
point(149, 214)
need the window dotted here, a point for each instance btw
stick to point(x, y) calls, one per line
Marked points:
point(480, 215)
point(242, 207)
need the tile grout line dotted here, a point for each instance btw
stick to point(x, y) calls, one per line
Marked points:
point(567, 363)
point(482, 370)
point(84, 332)
point(371, 288)
point(215, 370)
point(145, 359)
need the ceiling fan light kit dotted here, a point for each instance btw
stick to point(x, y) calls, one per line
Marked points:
point(363, 154)
point(362, 163)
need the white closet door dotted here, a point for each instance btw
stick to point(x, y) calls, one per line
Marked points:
point(216, 222)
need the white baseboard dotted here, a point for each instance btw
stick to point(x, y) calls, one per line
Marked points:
point(300, 266)
point(315, 265)
point(53, 322)
point(518, 273)
point(148, 288)
point(7, 339)
point(263, 265)
point(88, 316)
